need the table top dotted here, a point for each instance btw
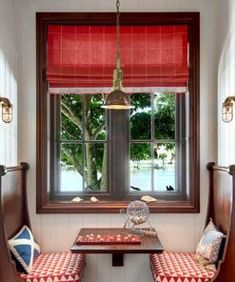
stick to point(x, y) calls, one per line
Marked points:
point(141, 244)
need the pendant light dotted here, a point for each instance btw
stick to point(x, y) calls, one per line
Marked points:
point(117, 99)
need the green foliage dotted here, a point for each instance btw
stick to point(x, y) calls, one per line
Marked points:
point(71, 157)
point(165, 116)
point(98, 154)
point(71, 105)
point(95, 116)
point(164, 122)
point(140, 101)
point(140, 152)
point(141, 126)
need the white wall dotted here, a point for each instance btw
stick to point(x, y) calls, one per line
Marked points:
point(9, 79)
point(226, 79)
point(177, 232)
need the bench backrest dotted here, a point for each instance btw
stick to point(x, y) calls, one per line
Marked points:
point(222, 210)
point(13, 214)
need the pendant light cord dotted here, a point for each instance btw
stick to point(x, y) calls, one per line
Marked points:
point(117, 73)
point(118, 60)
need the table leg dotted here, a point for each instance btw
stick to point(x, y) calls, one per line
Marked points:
point(118, 259)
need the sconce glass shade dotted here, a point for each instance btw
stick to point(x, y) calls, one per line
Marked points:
point(227, 110)
point(7, 115)
point(117, 100)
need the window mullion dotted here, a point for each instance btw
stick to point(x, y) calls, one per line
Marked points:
point(152, 143)
point(83, 146)
point(180, 143)
point(118, 122)
point(55, 144)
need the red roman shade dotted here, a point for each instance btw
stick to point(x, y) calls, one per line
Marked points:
point(84, 56)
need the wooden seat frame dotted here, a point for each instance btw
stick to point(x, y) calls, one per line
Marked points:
point(13, 215)
point(221, 208)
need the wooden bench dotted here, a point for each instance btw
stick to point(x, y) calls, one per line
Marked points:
point(182, 266)
point(13, 215)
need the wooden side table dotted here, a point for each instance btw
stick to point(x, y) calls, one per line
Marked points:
point(147, 244)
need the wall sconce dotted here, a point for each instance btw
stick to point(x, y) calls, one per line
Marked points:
point(227, 110)
point(7, 114)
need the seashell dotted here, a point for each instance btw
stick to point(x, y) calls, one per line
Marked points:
point(77, 199)
point(94, 199)
point(148, 199)
point(138, 219)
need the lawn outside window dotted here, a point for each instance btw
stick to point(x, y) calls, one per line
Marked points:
point(116, 156)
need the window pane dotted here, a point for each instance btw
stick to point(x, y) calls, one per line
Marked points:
point(164, 167)
point(164, 116)
point(140, 119)
point(140, 167)
point(71, 117)
point(95, 167)
point(95, 125)
point(71, 161)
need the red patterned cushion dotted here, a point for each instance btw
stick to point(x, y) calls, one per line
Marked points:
point(56, 267)
point(178, 267)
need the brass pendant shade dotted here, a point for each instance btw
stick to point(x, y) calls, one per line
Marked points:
point(117, 100)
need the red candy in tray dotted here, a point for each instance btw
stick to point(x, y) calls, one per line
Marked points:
point(97, 239)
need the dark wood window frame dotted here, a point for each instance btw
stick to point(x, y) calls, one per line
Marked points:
point(44, 205)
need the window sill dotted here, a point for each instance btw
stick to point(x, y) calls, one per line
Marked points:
point(161, 206)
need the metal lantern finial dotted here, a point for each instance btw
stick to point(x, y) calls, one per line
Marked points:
point(117, 99)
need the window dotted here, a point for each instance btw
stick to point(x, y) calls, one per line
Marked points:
point(78, 145)
point(117, 156)
point(158, 144)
